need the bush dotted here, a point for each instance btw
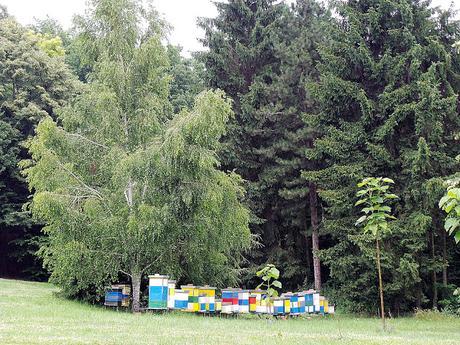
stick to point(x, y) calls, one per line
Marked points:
point(451, 304)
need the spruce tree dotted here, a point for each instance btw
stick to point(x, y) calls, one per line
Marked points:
point(387, 105)
point(262, 53)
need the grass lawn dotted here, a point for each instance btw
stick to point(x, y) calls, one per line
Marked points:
point(31, 314)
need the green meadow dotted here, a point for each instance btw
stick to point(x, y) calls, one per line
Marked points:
point(31, 313)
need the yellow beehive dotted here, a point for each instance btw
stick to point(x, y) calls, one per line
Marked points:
point(218, 305)
point(207, 291)
point(287, 305)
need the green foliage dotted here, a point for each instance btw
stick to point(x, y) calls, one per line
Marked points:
point(33, 84)
point(451, 304)
point(456, 46)
point(187, 79)
point(450, 203)
point(385, 105)
point(374, 196)
point(49, 44)
point(122, 184)
point(261, 53)
point(269, 275)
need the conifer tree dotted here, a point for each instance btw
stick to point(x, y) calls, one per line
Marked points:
point(262, 53)
point(387, 105)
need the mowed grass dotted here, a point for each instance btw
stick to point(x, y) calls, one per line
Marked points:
point(30, 313)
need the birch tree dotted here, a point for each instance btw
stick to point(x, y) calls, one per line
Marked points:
point(123, 185)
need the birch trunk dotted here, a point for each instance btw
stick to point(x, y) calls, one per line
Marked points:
point(136, 283)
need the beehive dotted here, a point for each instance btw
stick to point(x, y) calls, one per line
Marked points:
point(309, 308)
point(230, 300)
point(243, 301)
point(293, 303)
point(125, 293)
point(181, 299)
point(218, 307)
point(331, 309)
point(252, 303)
point(202, 300)
point(209, 300)
point(301, 301)
point(260, 301)
point(316, 303)
point(278, 306)
point(287, 305)
point(171, 293)
point(158, 292)
point(113, 297)
point(321, 304)
point(193, 305)
point(264, 307)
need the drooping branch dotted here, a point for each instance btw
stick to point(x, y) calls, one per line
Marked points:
point(75, 135)
point(79, 180)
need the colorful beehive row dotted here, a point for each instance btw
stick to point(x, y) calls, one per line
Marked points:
point(118, 295)
point(163, 295)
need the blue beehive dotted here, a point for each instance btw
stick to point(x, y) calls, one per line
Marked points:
point(278, 306)
point(181, 299)
point(158, 292)
point(295, 310)
point(113, 297)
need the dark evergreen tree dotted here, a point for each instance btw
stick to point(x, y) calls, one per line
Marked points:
point(387, 106)
point(187, 79)
point(261, 53)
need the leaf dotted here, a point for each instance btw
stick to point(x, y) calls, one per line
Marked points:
point(360, 202)
point(376, 199)
point(274, 273)
point(443, 200)
point(388, 180)
point(391, 196)
point(360, 220)
point(450, 205)
point(457, 237)
point(454, 193)
point(361, 192)
point(277, 284)
point(373, 228)
point(272, 292)
point(451, 224)
point(385, 208)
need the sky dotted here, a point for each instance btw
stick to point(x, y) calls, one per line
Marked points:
point(181, 14)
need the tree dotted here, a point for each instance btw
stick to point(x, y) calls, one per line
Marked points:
point(33, 84)
point(187, 79)
point(450, 203)
point(261, 53)
point(269, 275)
point(124, 186)
point(385, 105)
point(374, 196)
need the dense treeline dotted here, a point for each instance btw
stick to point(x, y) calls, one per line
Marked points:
point(322, 95)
